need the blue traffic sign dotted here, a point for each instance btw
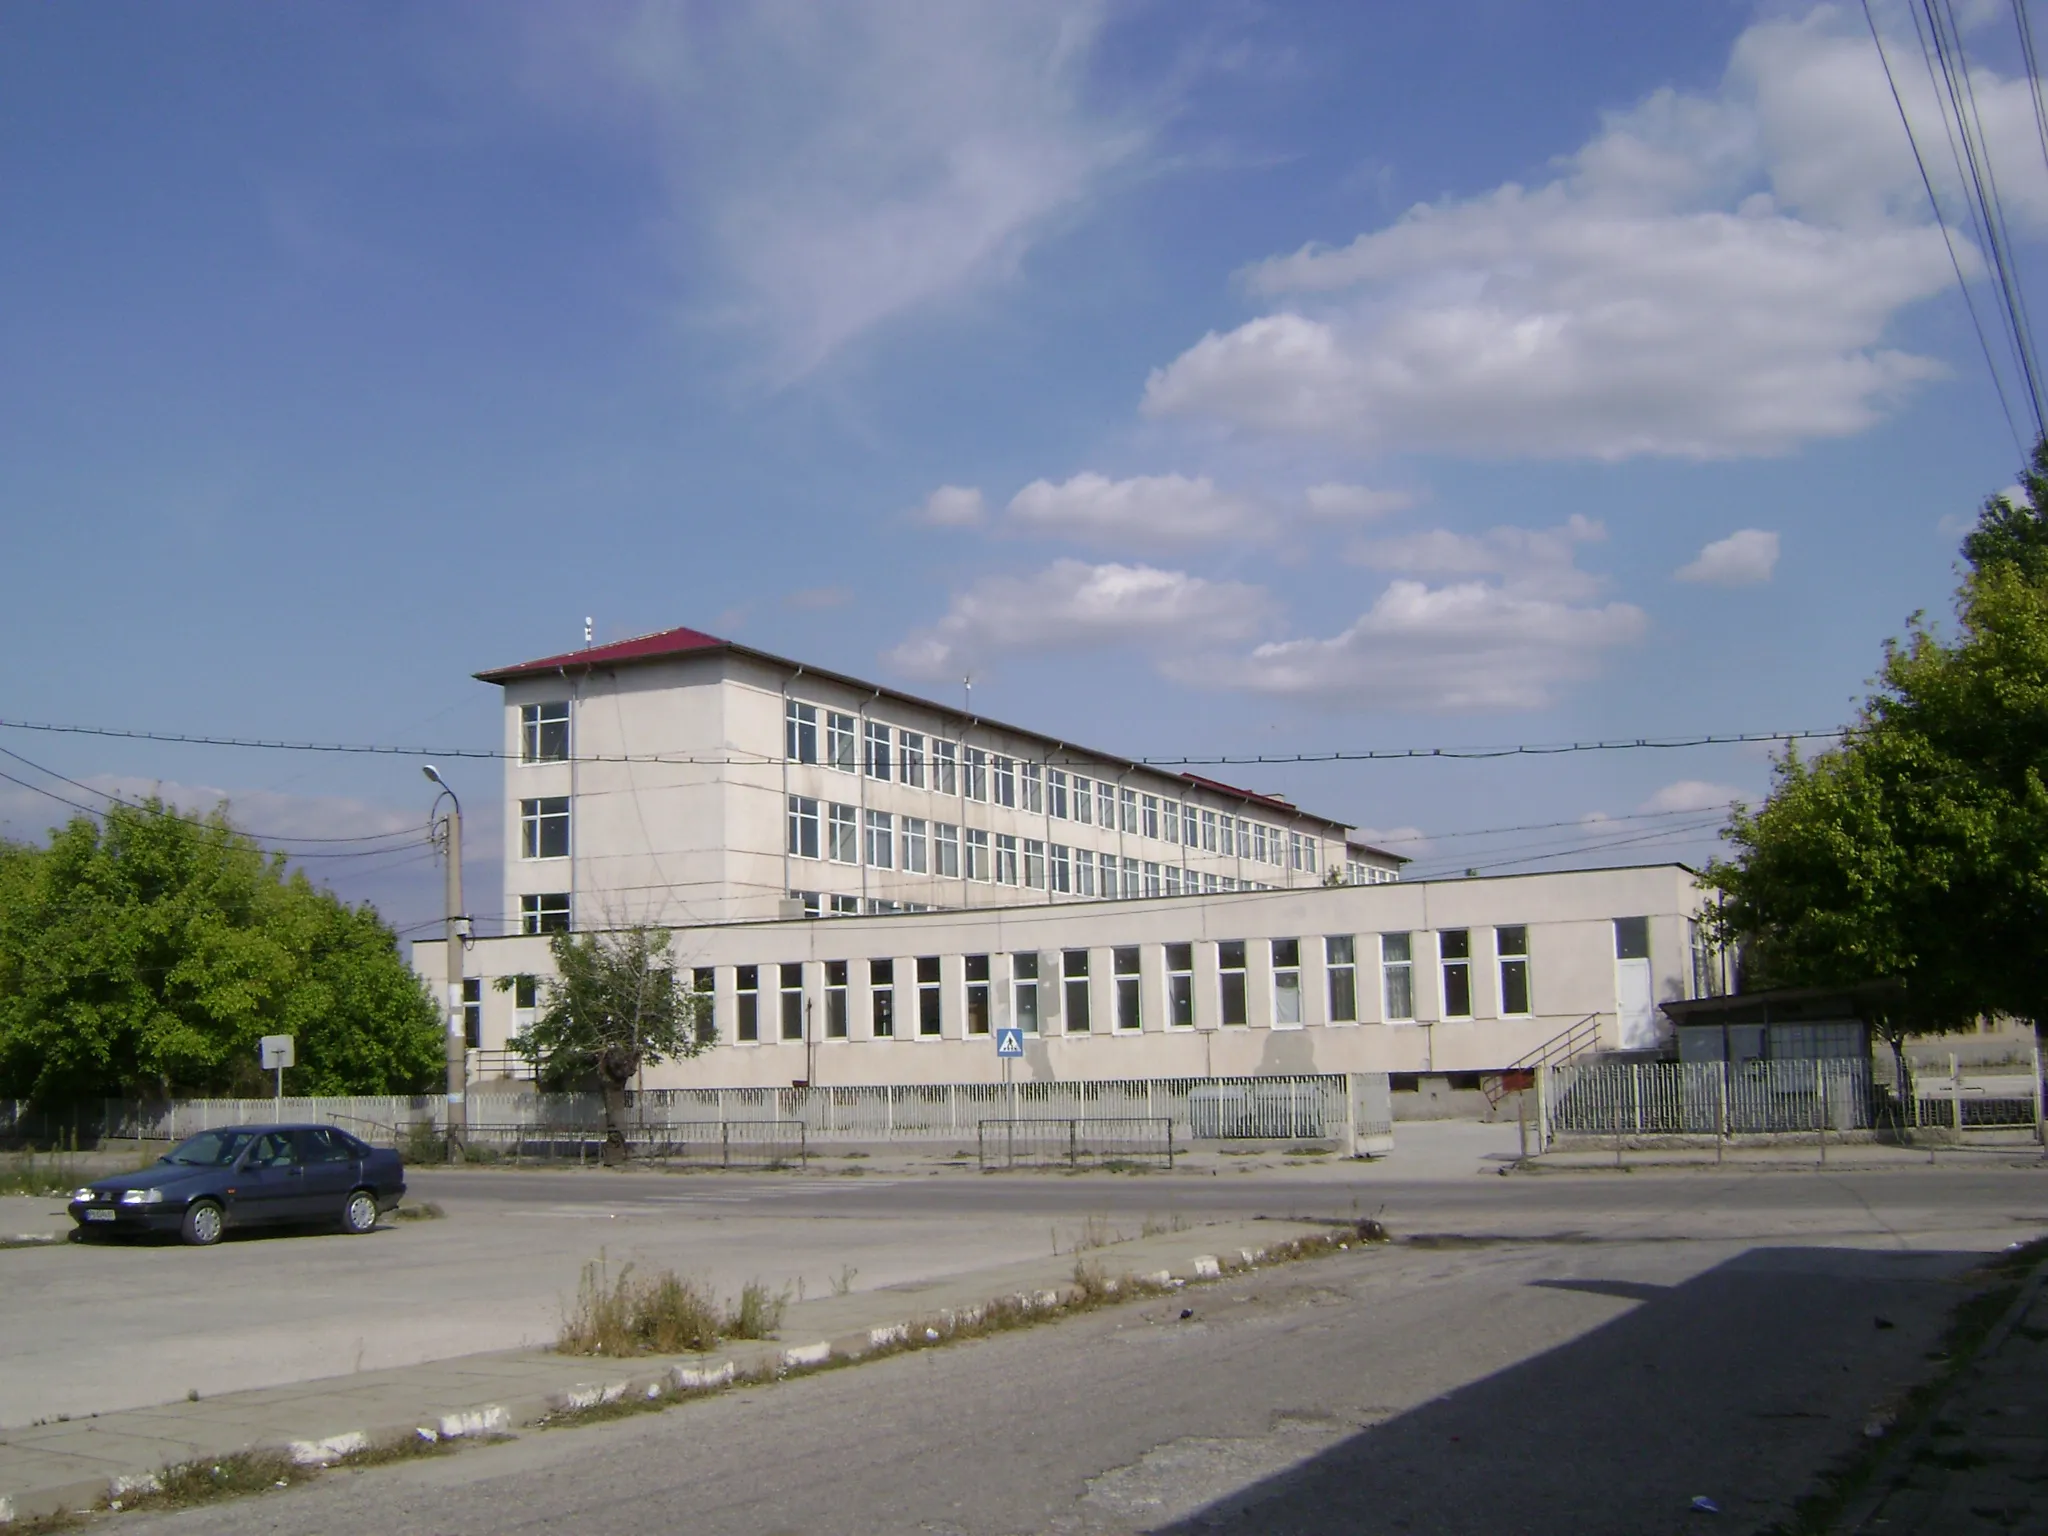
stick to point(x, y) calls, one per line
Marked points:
point(1009, 1041)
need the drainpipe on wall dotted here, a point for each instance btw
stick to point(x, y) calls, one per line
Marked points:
point(788, 683)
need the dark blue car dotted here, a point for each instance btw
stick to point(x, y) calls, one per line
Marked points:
point(245, 1176)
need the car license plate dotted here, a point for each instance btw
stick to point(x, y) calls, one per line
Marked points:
point(99, 1215)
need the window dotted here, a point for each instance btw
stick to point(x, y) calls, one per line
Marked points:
point(1024, 992)
point(1230, 980)
point(835, 999)
point(1190, 826)
point(803, 826)
point(1180, 986)
point(1084, 872)
point(911, 745)
point(977, 774)
point(1034, 787)
point(946, 766)
point(1131, 887)
point(1006, 859)
point(1056, 791)
point(546, 913)
point(1257, 847)
point(1454, 949)
point(1211, 884)
point(1340, 965)
point(1631, 937)
point(1226, 835)
point(793, 1001)
point(928, 1003)
point(916, 858)
point(1084, 801)
point(1129, 994)
point(882, 998)
point(473, 1012)
point(1149, 816)
point(703, 983)
point(1074, 971)
point(1106, 865)
point(526, 991)
point(839, 741)
point(880, 759)
point(844, 845)
point(1173, 879)
point(1398, 974)
point(1034, 863)
point(1208, 832)
point(1308, 852)
point(1287, 981)
point(747, 993)
point(544, 828)
point(1061, 869)
point(799, 731)
point(977, 854)
point(1512, 947)
point(1006, 781)
point(946, 845)
point(1127, 810)
point(846, 906)
point(977, 994)
point(813, 903)
point(544, 733)
point(1153, 884)
point(1105, 804)
point(881, 839)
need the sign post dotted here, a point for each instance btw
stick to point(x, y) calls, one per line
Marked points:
point(276, 1053)
point(1009, 1046)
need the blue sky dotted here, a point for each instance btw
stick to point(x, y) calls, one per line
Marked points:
point(1202, 378)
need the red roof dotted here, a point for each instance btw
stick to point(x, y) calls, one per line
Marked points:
point(1253, 797)
point(668, 642)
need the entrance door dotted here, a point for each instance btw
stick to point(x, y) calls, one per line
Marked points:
point(1635, 1005)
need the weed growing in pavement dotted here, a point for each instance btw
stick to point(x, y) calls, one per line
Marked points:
point(758, 1313)
point(424, 1144)
point(661, 1314)
point(1154, 1227)
point(842, 1283)
point(426, 1210)
point(1970, 1324)
point(47, 1174)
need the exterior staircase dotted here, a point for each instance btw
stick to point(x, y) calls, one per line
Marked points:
point(1575, 1040)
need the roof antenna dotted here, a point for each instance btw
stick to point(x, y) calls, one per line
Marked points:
point(586, 629)
point(967, 683)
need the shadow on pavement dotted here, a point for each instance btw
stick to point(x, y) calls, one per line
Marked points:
point(1740, 1384)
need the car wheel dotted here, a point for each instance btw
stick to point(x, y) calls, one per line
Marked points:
point(203, 1224)
point(360, 1214)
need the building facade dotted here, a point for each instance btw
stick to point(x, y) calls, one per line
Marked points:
point(1420, 977)
point(679, 779)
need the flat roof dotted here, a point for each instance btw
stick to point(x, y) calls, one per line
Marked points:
point(679, 644)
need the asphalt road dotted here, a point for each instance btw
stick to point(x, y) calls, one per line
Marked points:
point(1593, 1383)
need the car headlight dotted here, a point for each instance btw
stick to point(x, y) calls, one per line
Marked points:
point(83, 1194)
point(142, 1197)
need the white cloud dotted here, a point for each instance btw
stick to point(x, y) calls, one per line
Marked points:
point(1692, 795)
point(1072, 605)
point(1412, 842)
point(845, 165)
point(1144, 511)
point(1536, 561)
point(1334, 501)
point(952, 506)
point(1469, 646)
point(1744, 559)
point(1711, 275)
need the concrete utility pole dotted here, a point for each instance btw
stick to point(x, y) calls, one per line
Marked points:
point(458, 1043)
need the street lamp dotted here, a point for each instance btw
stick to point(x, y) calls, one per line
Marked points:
point(458, 1043)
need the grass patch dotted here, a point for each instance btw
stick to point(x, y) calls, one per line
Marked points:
point(426, 1210)
point(661, 1314)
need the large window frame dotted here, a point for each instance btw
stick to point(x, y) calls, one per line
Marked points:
point(911, 745)
point(946, 850)
point(1232, 983)
point(1397, 977)
point(1511, 950)
point(1024, 991)
point(842, 742)
point(1340, 970)
point(1126, 967)
point(931, 1013)
point(879, 761)
point(980, 1017)
point(1286, 983)
point(544, 912)
point(791, 976)
point(945, 766)
point(836, 987)
point(544, 828)
point(544, 732)
point(799, 731)
point(1180, 986)
point(975, 854)
point(916, 846)
point(746, 986)
point(1076, 1017)
point(881, 840)
point(1454, 955)
point(882, 999)
point(804, 822)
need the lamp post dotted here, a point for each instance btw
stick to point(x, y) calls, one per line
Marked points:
point(458, 1044)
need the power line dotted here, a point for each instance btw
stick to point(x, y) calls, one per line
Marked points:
point(768, 760)
point(1947, 237)
point(1545, 826)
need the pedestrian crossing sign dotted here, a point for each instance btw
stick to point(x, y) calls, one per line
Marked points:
point(1009, 1041)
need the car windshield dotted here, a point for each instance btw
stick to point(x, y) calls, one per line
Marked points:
point(210, 1149)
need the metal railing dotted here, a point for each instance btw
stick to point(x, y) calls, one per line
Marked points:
point(1709, 1098)
point(703, 1143)
point(1574, 1040)
point(1042, 1143)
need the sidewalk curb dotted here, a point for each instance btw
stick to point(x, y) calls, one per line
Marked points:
point(241, 1423)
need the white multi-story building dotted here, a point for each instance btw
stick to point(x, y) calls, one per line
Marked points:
point(678, 779)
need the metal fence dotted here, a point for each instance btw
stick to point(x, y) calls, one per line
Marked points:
point(1709, 1098)
point(702, 1143)
point(1309, 1107)
point(1039, 1143)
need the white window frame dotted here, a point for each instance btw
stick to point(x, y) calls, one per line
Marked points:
point(1024, 994)
point(1190, 825)
point(534, 916)
point(1106, 876)
point(974, 774)
point(1397, 969)
point(1056, 792)
point(881, 840)
point(1180, 985)
point(1005, 775)
point(805, 828)
point(1208, 831)
point(1132, 886)
point(946, 849)
point(1286, 984)
point(1060, 868)
point(1518, 958)
point(881, 751)
point(945, 766)
point(1006, 859)
point(1127, 809)
point(1447, 962)
point(535, 817)
point(1034, 863)
point(911, 745)
point(1105, 805)
point(842, 743)
point(1336, 968)
point(1084, 800)
point(916, 847)
point(534, 720)
point(842, 840)
point(799, 731)
point(975, 852)
point(1169, 820)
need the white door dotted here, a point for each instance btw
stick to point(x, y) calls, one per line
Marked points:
point(1634, 1007)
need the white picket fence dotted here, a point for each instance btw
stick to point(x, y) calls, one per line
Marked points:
point(1207, 1108)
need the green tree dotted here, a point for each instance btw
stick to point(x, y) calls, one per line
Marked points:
point(612, 1007)
point(148, 953)
point(1917, 851)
